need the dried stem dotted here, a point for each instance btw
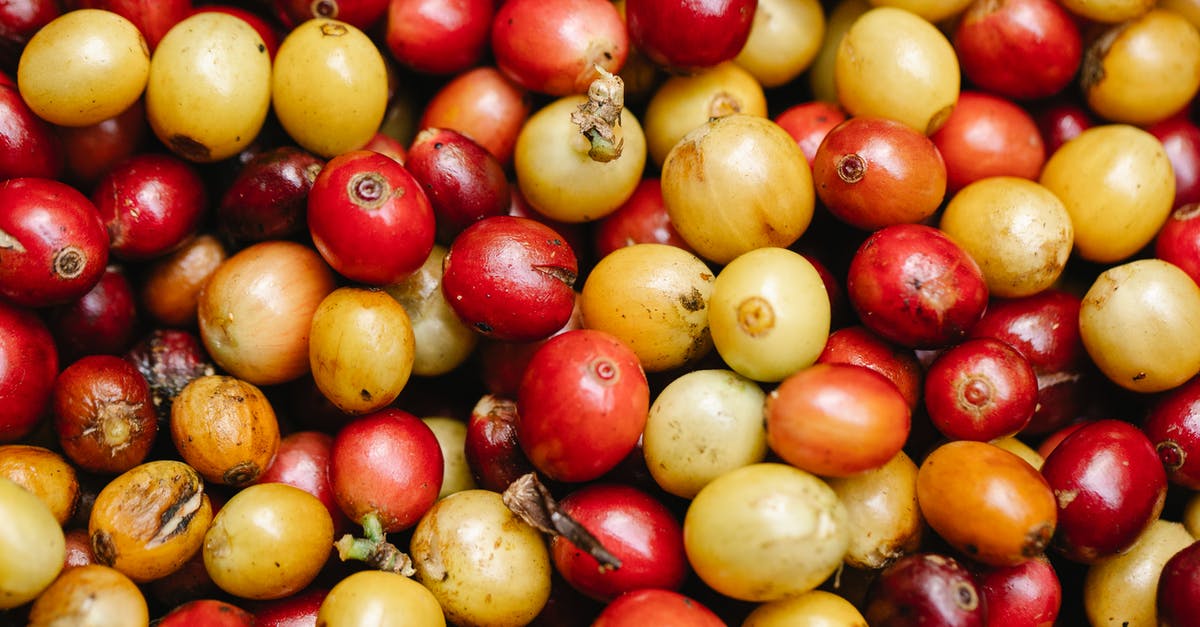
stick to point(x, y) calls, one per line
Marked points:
point(532, 502)
point(599, 119)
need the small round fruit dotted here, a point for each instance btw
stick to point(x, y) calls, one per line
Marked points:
point(914, 286)
point(150, 520)
point(1106, 470)
point(1144, 70)
point(93, 595)
point(483, 564)
point(737, 183)
point(1117, 184)
point(655, 299)
point(361, 349)
point(1140, 323)
point(836, 420)
point(215, 63)
point(894, 64)
point(1018, 232)
point(981, 389)
point(268, 541)
point(84, 67)
point(764, 532)
point(366, 597)
point(1123, 589)
point(32, 546)
point(1013, 510)
point(701, 425)
point(582, 405)
point(557, 176)
point(329, 87)
point(225, 428)
point(763, 300)
point(882, 513)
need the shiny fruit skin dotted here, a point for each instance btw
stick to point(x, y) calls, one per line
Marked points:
point(1122, 589)
point(369, 218)
point(1044, 327)
point(491, 447)
point(655, 299)
point(438, 37)
point(30, 145)
point(557, 176)
point(463, 181)
point(1177, 587)
point(1107, 470)
point(882, 513)
point(361, 348)
point(808, 123)
point(1017, 231)
point(737, 183)
point(365, 596)
point(1116, 182)
point(46, 474)
point(1178, 242)
point(686, 101)
point(1026, 595)
point(225, 428)
point(925, 589)
point(151, 204)
point(872, 172)
point(1016, 510)
point(1173, 425)
point(1180, 137)
point(553, 46)
point(33, 543)
point(987, 135)
point(484, 565)
point(836, 420)
point(642, 219)
point(1140, 323)
point(83, 67)
point(656, 607)
point(235, 95)
point(28, 369)
point(269, 197)
point(701, 425)
point(255, 311)
point(914, 286)
point(90, 595)
point(102, 322)
point(302, 461)
point(366, 478)
point(208, 612)
point(329, 87)
point(763, 299)
point(700, 36)
point(1021, 49)
point(764, 532)
point(56, 246)
point(268, 541)
point(887, 56)
point(169, 292)
point(981, 389)
point(510, 278)
point(1144, 70)
point(636, 528)
point(482, 104)
point(582, 405)
point(859, 346)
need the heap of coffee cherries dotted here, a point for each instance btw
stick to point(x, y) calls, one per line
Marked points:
point(580, 312)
